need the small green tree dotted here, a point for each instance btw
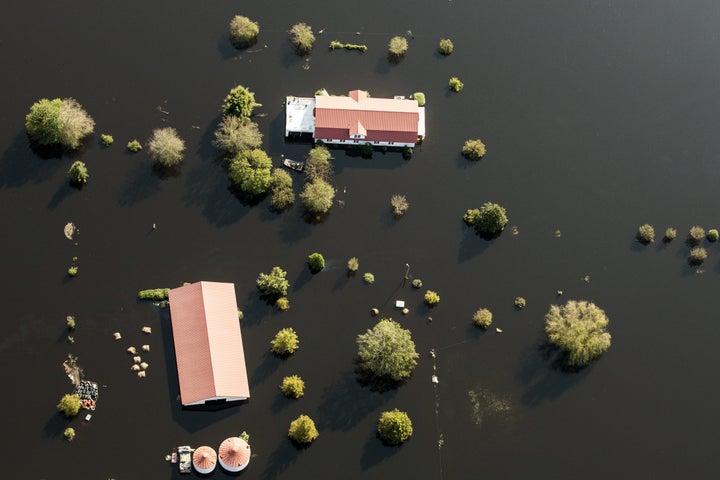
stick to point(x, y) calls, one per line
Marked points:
point(274, 283)
point(446, 46)
point(250, 170)
point(317, 165)
point(670, 234)
point(293, 386)
point(283, 304)
point(302, 430)
point(285, 342)
point(69, 405)
point(316, 262)
point(520, 303)
point(712, 235)
point(471, 216)
point(489, 220)
point(394, 427)
point(455, 84)
point(318, 196)
point(420, 98)
point(646, 234)
point(282, 195)
point(353, 264)
point(368, 278)
point(697, 256)
point(58, 121)
point(397, 47)
point(243, 31)
point(69, 434)
point(431, 298)
point(302, 37)
point(697, 233)
point(134, 146)
point(235, 134)
point(482, 318)
point(473, 149)
point(166, 147)
point(106, 140)
point(580, 329)
point(240, 102)
point(399, 205)
point(78, 173)
point(387, 350)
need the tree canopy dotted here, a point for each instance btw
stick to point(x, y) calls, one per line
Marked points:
point(302, 430)
point(394, 427)
point(317, 165)
point(473, 149)
point(387, 350)
point(78, 173)
point(490, 219)
point(273, 283)
point(318, 196)
point(166, 147)
point(240, 102)
point(250, 170)
point(285, 342)
point(235, 134)
point(69, 405)
point(58, 121)
point(282, 195)
point(302, 37)
point(580, 329)
point(293, 386)
point(243, 31)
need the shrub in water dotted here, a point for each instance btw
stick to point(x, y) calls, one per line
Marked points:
point(580, 329)
point(157, 294)
point(69, 433)
point(399, 204)
point(302, 430)
point(394, 427)
point(316, 262)
point(285, 342)
point(57, 121)
point(670, 234)
point(166, 147)
point(293, 386)
point(72, 271)
point(302, 37)
point(369, 278)
point(317, 196)
point(697, 233)
point(397, 47)
point(482, 318)
point(473, 149)
point(283, 304)
point(712, 235)
point(407, 153)
point(243, 31)
point(446, 46)
point(387, 350)
point(240, 102)
point(520, 302)
point(235, 134)
point(106, 140)
point(134, 146)
point(69, 405)
point(78, 173)
point(697, 256)
point(431, 298)
point(420, 98)
point(417, 283)
point(273, 283)
point(353, 264)
point(455, 84)
point(646, 234)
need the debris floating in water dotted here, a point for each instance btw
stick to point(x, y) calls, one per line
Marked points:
point(405, 311)
point(498, 329)
point(515, 230)
point(117, 336)
point(147, 330)
point(434, 379)
point(558, 233)
point(132, 350)
point(146, 348)
point(69, 230)
point(375, 311)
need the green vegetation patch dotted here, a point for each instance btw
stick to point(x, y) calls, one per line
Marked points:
point(579, 328)
point(335, 45)
point(387, 350)
point(243, 31)
point(285, 342)
point(157, 294)
point(302, 430)
point(293, 386)
point(394, 427)
point(455, 84)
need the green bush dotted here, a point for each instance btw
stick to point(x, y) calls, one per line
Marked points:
point(243, 31)
point(250, 170)
point(317, 164)
point(420, 98)
point(399, 205)
point(482, 318)
point(520, 302)
point(334, 45)
point(455, 84)
point(72, 271)
point(78, 173)
point(240, 102)
point(446, 46)
point(316, 262)
point(240, 314)
point(473, 149)
point(157, 294)
point(387, 350)
point(293, 386)
point(394, 427)
point(274, 283)
point(69, 405)
point(580, 329)
point(302, 430)
point(489, 220)
point(670, 234)
point(283, 304)
point(397, 47)
point(712, 235)
point(646, 234)
point(369, 278)
point(417, 283)
point(353, 264)
point(318, 196)
point(302, 37)
point(282, 195)
point(697, 256)
point(70, 322)
point(697, 233)
point(407, 153)
point(57, 121)
point(166, 147)
point(106, 140)
point(285, 342)
point(69, 434)
point(431, 298)
point(134, 146)
point(235, 134)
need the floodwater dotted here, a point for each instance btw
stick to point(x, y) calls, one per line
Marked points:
point(598, 117)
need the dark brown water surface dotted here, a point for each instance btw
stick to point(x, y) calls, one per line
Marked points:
point(598, 117)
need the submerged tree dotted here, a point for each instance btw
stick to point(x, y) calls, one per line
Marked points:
point(302, 37)
point(473, 149)
point(317, 165)
point(316, 262)
point(250, 170)
point(69, 405)
point(446, 46)
point(488, 220)
point(285, 342)
point(318, 196)
point(63, 122)
point(282, 195)
point(580, 329)
point(243, 31)
point(235, 134)
point(397, 47)
point(646, 234)
point(293, 386)
point(240, 102)
point(166, 147)
point(78, 173)
point(274, 283)
point(387, 350)
point(394, 427)
point(302, 430)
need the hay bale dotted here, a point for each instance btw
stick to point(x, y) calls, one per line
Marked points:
point(141, 374)
point(375, 311)
point(132, 350)
point(117, 336)
point(146, 348)
point(405, 311)
point(135, 367)
point(137, 359)
point(147, 330)
point(144, 365)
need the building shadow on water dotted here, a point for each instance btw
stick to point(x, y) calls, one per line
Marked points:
point(345, 402)
point(545, 374)
point(375, 451)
